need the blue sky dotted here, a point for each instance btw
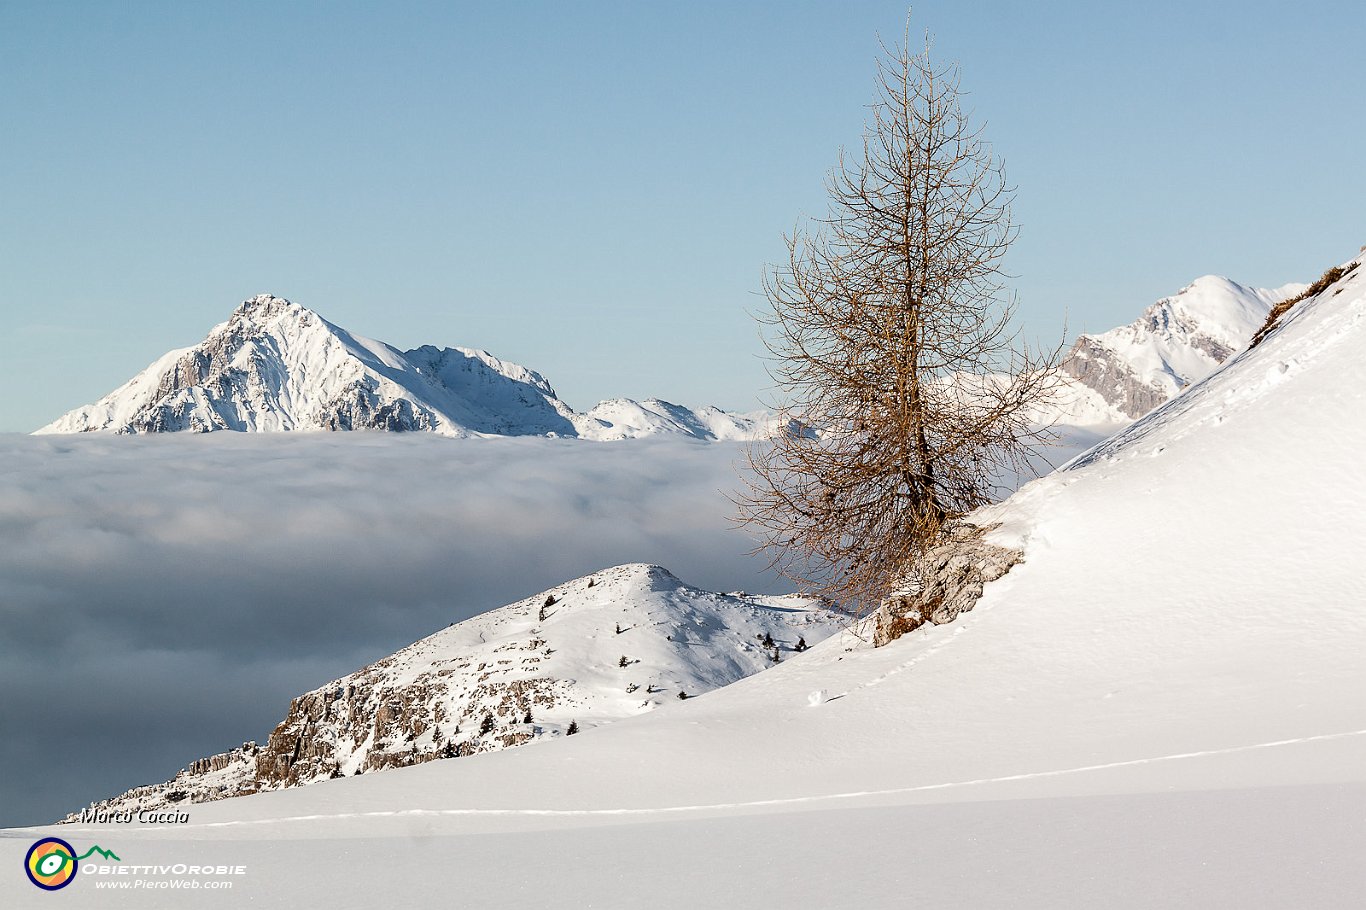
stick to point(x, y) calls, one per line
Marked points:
point(593, 189)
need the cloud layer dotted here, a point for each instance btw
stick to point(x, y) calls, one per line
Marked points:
point(162, 598)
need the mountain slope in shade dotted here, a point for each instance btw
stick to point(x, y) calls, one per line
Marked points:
point(1179, 340)
point(609, 646)
point(275, 366)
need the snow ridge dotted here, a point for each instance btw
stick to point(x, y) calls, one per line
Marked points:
point(622, 642)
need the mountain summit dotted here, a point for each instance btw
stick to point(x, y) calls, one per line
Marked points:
point(1178, 340)
point(276, 366)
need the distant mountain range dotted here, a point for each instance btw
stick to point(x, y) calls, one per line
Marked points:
point(276, 366)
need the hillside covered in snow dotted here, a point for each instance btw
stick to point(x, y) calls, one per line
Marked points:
point(612, 645)
point(1162, 705)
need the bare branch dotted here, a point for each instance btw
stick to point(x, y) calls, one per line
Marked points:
point(892, 346)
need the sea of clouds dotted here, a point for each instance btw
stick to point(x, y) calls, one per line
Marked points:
point(162, 598)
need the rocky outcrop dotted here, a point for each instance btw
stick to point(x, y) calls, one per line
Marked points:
point(1096, 367)
point(605, 647)
point(220, 776)
point(359, 407)
point(948, 580)
point(369, 724)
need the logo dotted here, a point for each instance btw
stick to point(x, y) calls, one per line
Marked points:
point(51, 863)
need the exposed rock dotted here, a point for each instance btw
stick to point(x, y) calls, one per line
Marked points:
point(219, 776)
point(1178, 340)
point(470, 687)
point(1094, 366)
point(948, 580)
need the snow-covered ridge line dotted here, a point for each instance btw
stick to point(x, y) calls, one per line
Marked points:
point(622, 642)
point(275, 366)
point(1177, 341)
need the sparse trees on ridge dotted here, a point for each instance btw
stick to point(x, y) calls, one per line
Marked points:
point(893, 350)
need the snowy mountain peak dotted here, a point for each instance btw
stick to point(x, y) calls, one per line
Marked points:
point(1178, 340)
point(263, 307)
point(653, 577)
point(276, 366)
point(1214, 309)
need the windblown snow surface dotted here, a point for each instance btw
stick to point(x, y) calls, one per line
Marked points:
point(1164, 705)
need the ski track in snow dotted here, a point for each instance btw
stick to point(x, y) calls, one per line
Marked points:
point(759, 803)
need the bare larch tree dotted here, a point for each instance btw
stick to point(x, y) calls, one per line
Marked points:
point(905, 390)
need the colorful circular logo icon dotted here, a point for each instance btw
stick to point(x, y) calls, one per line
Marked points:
point(50, 863)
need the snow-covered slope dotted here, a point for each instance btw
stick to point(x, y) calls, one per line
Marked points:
point(1177, 341)
point(608, 646)
point(622, 418)
point(276, 366)
point(1163, 705)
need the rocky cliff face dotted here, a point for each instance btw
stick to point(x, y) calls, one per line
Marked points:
point(947, 581)
point(1098, 368)
point(227, 774)
point(1177, 341)
point(598, 649)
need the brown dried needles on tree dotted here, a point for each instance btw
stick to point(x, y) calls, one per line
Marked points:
point(906, 391)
